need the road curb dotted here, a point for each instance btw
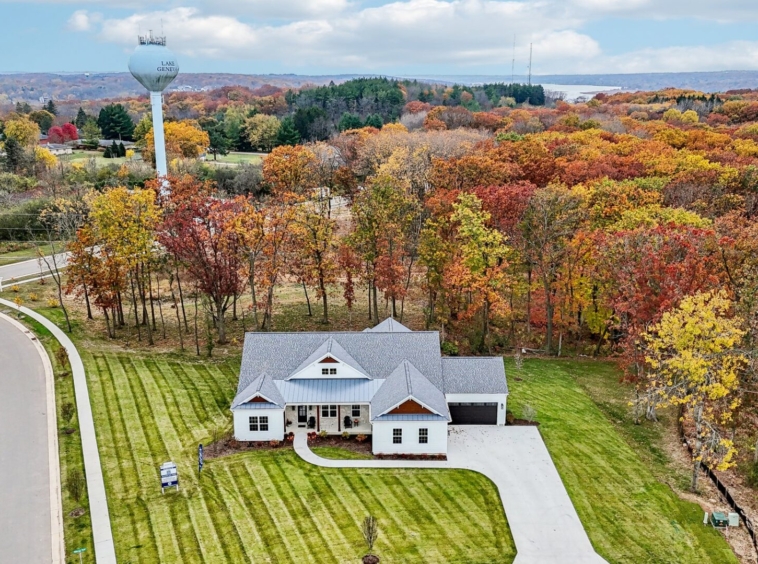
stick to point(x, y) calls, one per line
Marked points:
point(105, 551)
point(56, 501)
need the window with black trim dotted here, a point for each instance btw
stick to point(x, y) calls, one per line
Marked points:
point(263, 423)
point(332, 371)
point(397, 436)
point(423, 436)
point(253, 423)
point(324, 371)
point(356, 411)
point(259, 423)
point(328, 411)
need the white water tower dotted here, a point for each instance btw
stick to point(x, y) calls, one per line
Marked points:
point(155, 67)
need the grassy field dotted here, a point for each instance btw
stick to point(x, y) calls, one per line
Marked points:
point(266, 506)
point(27, 253)
point(236, 158)
point(609, 466)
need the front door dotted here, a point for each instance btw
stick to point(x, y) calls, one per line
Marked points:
point(302, 415)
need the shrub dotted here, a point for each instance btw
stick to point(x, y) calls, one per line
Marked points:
point(312, 435)
point(274, 443)
point(67, 412)
point(15, 289)
point(752, 476)
point(52, 303)
point(360, 438)
point(61, 356)
point(450, 349)
point(75, 484)
point(323, 434)
point(33, 297)
point(509, 417)
point(345, 435)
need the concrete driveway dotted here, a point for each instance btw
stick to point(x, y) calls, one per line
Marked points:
point(542, 519)
point(30, 268)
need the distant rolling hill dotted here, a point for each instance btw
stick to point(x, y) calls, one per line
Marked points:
point(30, 87)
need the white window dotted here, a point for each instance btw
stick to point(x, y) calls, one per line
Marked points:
point(259, 423)
point(328, 411)
point(356, 411)
point(397, 436)
point(324, 371)
point(423, 436)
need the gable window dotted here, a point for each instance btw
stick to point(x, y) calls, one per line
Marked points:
point(397, 436)
point(259, 423)
point(356, 411)
point(423, 436)
point(332, 371)
point(328, 411)
point(324, 371)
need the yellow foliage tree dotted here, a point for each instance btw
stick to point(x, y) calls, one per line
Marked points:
point(183, 140)
point(23, 130)
point(693, 363)
point(44, 157)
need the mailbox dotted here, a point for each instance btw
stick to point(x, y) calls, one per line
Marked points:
point(169, 476)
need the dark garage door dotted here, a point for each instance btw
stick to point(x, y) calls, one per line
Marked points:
point(473, 413)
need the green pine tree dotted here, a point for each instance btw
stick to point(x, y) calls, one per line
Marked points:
point(81, 118)
point(50, 107)
point(115, 123)
point(287, 135)
point(121, 150)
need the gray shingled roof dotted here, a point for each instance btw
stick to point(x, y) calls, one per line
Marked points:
point(474, 375)
point(405, 382)
point(389, 325)
point(280, 354)
point(411, 417)
point(328, 390)
point(332, 347)
point(262, 385)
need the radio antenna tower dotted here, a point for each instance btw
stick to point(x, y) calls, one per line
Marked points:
point(530, 64)
point(513, 61)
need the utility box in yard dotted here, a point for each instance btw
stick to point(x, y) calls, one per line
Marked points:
point(734, 519)
point(719, 520)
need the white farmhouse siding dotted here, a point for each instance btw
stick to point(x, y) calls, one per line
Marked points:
point(436, 436)
point(275, 422)
point(500, 399)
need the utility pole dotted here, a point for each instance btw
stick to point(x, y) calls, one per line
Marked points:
point(530, 64)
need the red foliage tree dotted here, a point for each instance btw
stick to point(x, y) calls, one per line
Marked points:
point(55, 135)
point(70, 132)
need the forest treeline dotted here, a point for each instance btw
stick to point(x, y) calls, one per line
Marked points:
point(622, 226)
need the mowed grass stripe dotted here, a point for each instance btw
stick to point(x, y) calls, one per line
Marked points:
point(220, 390)
point(260, 494)
point(175, 397)
point(187, 383)
point(128, 486)
point(295, 494)
point(247, 534)
point(272, 544)
point(204, 394)
point(279, 506)
point(223, 521)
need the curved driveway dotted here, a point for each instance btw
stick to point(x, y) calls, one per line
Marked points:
point(25, 471)
point(542, 519)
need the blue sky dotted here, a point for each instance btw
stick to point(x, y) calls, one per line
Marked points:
point(401, 37)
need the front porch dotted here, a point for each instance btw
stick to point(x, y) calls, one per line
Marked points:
point(335, 419)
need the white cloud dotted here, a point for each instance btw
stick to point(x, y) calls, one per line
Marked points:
point(82, 20)
point(415, 35)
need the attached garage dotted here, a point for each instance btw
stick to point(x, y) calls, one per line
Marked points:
point(473, 413)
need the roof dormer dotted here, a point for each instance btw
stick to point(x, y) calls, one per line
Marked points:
point(330, 360)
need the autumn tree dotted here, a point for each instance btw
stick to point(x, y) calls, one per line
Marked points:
point(261, 131)
point(290, 169)
point(693, 363)
point(183, 140)
point(550, 221)
point(200, 232)
point(315, 248)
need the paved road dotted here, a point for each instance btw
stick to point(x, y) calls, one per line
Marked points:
point(33, 267)
point(25, 518)
point(542, 519)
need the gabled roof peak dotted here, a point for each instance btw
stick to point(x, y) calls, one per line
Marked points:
point(389, 325)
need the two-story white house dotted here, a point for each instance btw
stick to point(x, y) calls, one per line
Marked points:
point(388, 382)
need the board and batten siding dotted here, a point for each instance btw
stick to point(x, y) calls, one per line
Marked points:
point(501, 399)
point(382, 437)
point(242, 430)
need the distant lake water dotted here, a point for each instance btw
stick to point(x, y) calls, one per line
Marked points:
point(574, 91)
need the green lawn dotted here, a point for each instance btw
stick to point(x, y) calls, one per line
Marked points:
point(236, 158)
point(609, 465)
point(266, 506)
point(27, 253)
